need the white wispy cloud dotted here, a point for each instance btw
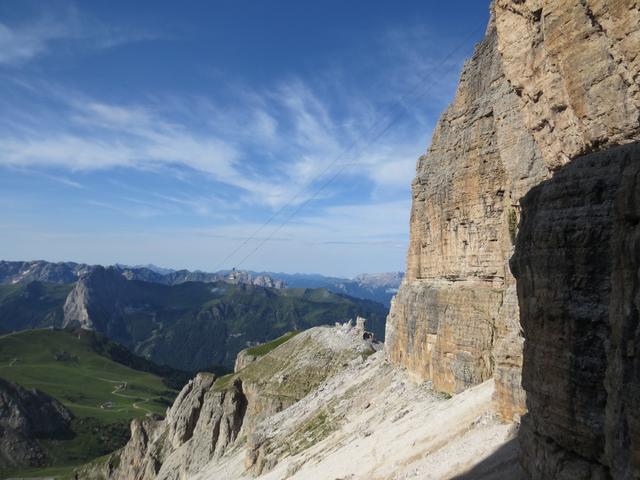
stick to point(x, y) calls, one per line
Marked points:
point(275, 146)
point(292, 130)
point(22, 43)
point(18, 45)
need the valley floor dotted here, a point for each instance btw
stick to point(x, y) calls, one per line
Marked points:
point(371, 422)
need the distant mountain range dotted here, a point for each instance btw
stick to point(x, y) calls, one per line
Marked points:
point(377, 287)
point(190, 325)
point(70, 272)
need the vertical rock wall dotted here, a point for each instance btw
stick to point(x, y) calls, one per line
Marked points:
point(455, 318)
point(576, 262)
point(551, 81)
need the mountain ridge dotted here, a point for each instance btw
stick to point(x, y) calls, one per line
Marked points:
point(379, 287)
point(190, 326)
point(193, 325)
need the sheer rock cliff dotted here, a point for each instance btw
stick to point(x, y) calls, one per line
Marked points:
point(553, 82)
point(455, 318)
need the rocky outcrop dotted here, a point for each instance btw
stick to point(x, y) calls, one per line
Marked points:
point(26, 417)
point(552, 80)
point(211, 416)
point(200, 425)
point(75, 309)
point(576, 262)
point(243, 359)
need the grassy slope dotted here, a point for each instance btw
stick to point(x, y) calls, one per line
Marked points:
point(82, 386)
point(59, 473)
point(265, 348)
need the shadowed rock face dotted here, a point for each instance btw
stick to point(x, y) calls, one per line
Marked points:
point(27, 416)
point(576, 262)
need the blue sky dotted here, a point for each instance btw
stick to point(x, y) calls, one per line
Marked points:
point(170, 132)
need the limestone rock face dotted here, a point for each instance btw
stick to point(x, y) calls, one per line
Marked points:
point(576, 263)
point(455, 318)
point(200, 425)
point(243, 359)
point(574, 65)
point(552, 80)
point(76, 313)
